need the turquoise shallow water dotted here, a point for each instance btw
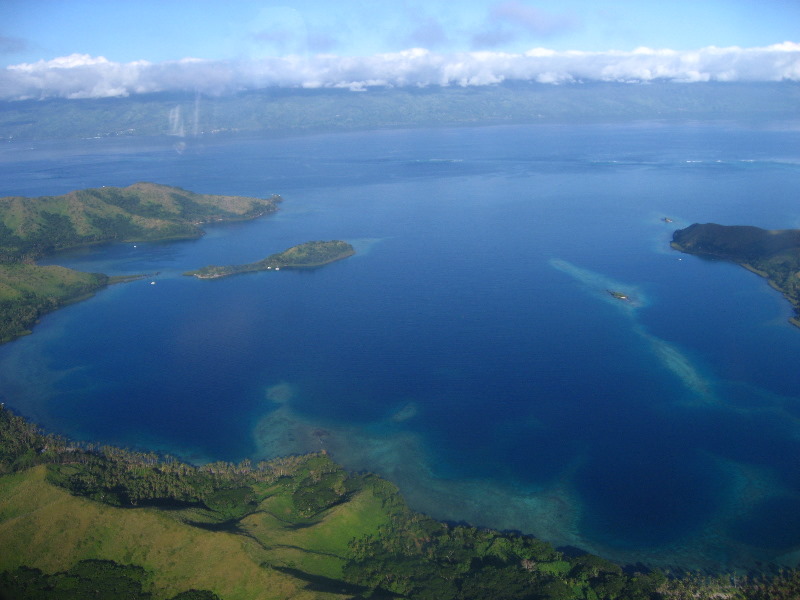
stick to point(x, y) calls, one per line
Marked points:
point(470, 351)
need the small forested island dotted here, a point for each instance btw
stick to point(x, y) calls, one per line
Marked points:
point(31, 228)
point(303, 256)
point(87, 521)
point(619, 295)
point(773, 254)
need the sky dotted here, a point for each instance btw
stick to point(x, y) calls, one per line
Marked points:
point(85, 48)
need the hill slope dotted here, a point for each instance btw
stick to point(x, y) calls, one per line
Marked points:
point(298, 527)
point(773, 254)
point(29, 291)
point(33, 227)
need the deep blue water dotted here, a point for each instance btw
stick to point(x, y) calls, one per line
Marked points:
point(470, 350)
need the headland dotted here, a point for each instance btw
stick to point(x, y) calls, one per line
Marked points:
point(31, 228)
point(771, 253)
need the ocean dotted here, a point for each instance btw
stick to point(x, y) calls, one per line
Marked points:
point(470, 351)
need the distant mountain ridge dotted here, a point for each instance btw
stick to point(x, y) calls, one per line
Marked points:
point(296, 110)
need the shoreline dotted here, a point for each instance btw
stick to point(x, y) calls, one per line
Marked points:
point(793, 301)
point(309, 255)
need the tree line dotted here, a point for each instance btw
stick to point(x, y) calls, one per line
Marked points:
point(413, 556)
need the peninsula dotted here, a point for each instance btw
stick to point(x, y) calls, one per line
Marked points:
point(31, 228)
point(773, 254)
point(303, 256)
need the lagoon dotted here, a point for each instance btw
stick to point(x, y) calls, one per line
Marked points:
point(470, 350)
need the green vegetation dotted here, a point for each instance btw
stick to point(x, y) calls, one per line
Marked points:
point(33, 227)
point(277, 529)
point(82, 521)
point(86, 579)
point(303, 256)
point(28, 291)
point(773, 254)
point(417, 557)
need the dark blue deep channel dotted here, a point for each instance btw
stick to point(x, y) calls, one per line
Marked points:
point(469, 351)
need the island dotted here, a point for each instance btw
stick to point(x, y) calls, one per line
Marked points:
point(619, 295)
point(31, 228)
point(771, 253)
point(303, 256)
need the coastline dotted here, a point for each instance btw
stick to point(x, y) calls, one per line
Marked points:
point(779, 266)
point(45, 288)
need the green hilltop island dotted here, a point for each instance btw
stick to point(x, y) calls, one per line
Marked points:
point(31, 228)
point(774, 254)
point(309, 255)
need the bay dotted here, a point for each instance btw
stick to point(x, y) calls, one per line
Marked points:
point(470, 351)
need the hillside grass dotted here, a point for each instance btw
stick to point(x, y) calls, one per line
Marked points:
point(81, 521)
point(45, 527)
point(321, 546)
point(54, 281)
point(29, 291)
point(31, 228)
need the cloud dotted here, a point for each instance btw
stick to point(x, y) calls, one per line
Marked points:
point(84, 76)
point(280, 37)
point(287, 41)
point(12, 45)
point(532, 19)
point(492, 37)
point(430, 33)
point(512, 20)
point(321, 42)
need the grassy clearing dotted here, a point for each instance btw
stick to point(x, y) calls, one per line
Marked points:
point(51, 280)
point(45, 527)
point(315, 546)
point(29, 291)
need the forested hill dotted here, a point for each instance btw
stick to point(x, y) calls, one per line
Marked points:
point(81, 521)
point(774, 254)
point(32, 227)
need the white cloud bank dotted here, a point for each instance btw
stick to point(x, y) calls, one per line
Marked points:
point(84, 76)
